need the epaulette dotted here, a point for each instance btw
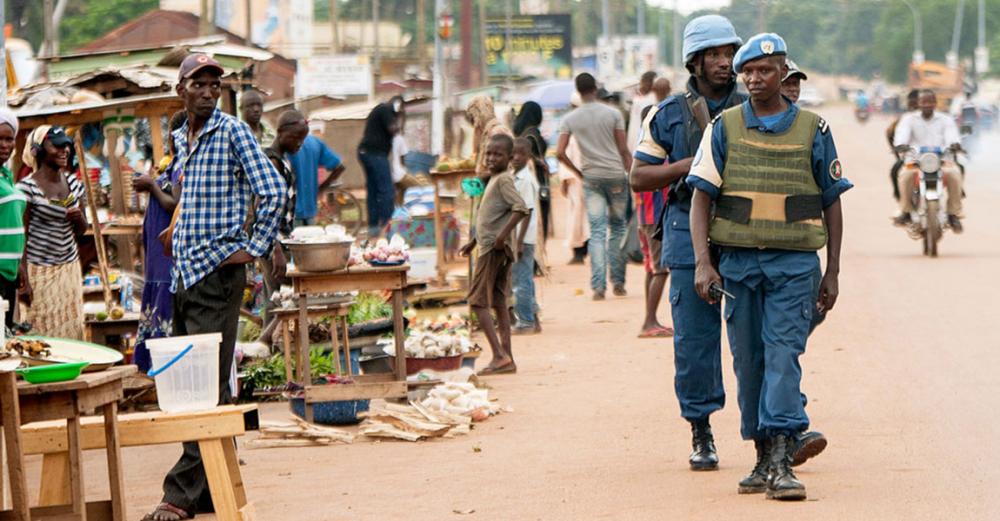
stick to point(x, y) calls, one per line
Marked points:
point(824, 127)
point(717, 117)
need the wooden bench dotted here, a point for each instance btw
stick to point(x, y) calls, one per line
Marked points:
point(214, 430)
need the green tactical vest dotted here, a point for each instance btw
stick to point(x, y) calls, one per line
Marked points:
point(769, 198)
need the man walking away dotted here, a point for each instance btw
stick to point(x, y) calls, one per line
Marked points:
point(305, 163)
point(600, 132)
point(373, 153)
point(224, 168)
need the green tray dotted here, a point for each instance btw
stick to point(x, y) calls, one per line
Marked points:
point(53, 373)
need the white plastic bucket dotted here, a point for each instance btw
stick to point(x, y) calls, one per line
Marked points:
point(191, 383)
point(423, 263)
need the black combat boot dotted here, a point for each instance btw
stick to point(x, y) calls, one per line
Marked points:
point(808, 444)
point(703, 456)
point(756, 481)
point(781, 481)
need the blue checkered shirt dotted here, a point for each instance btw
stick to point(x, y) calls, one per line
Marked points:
point(223, 170)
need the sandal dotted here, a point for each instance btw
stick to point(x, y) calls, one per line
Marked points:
point(657, 332)
point(510, 368)
point(167, 508)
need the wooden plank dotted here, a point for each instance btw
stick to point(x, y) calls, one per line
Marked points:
point(304, 371)
point(116, 479)
point(356, 391)
point(156, 130)
point(55, 487)
point(233, 464)
point(11, 418)
point(55, 406)
point(76, 491)
point(399, 335)
point(89, 400)
point(438, 232)
point(96, 511)
point(286, 344)
point(102, 257)
point(220, 484)
point(137, 429)
point(370, 281)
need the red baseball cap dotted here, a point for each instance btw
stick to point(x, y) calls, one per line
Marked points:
point(196, 62)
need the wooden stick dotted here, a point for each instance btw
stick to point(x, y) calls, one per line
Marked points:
point(102, 258)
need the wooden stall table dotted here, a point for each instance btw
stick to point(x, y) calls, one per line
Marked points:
point(98, 331)
point(338, 311)
point(451, 176)
point(355, 278)
point(23, 403)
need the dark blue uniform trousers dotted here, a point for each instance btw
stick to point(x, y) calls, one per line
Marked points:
point(697, 348)
point(768, 323)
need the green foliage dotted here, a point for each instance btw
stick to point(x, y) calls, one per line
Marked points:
point(368, 306)
point(83, 21)
point(270, 372)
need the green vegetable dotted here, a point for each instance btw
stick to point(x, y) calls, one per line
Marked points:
point(270, 372)
point(367, 307)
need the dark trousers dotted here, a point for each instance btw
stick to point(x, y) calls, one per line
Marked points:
point(211, 305)
point(381, 192)
point(8, 290)
point(697, 348)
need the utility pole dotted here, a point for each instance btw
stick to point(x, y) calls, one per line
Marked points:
point(508, 40)
point(48, 47)
point(678, 66)
point(248, 27)
point(377, 65)
point(956, 36)
point(982, 55)
point(204, 20)
point(483, 67)
point(918, 31)
point(3, 85)
point(437, 110)
point(640, 17)
point(606, 20)
point(334, 28)
point(661, 34)
point(421, 35)
point(761, 15)
point(465, 36)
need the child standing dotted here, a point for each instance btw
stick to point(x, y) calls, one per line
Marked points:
point(525, 306)
point(499, 212)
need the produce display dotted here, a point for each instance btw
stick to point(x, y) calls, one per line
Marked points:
point(454, 324)
point(458, 398)
point(445, 164)
point(368, 307)
point(427, 344)
point(29, 348)
point(319, 235)
point(394, 251)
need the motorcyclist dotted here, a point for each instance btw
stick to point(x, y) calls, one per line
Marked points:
point(861, 104)
point(928, 128)
point(890, 134)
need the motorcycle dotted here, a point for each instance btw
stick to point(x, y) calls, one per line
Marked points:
point(862, 113)
point(928, 196)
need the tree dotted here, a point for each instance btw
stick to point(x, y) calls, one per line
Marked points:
point(83, 22)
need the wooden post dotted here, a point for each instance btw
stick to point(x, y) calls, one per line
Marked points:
point(102, 257)
point(439, 232)
point(10, 412)
point(115, 477)
point(335, 28)
point(156, 129)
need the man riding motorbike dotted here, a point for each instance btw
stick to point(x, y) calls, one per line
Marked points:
point(928, 128)
point(890, 133)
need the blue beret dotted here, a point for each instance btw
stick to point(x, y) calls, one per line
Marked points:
point(760, 46)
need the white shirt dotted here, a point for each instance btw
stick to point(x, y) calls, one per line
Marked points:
point(527, 186)
point(639, 102)
point(940, 131)
point(399, 149)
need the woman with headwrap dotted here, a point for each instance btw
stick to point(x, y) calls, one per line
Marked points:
point(52, 292)
point(483, 118)
point(527, 124)
point(12, 204)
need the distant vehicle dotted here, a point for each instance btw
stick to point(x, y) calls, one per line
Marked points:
point(810, 97)
point(946, 82)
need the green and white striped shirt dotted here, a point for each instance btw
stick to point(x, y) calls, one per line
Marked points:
point(12, 205)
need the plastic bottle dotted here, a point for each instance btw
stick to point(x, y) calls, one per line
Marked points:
point(126, 293)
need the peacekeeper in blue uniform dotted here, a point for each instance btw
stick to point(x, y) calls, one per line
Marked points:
point(767, 192)
point(670, 137)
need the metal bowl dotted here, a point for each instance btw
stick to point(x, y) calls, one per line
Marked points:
point(320, 256)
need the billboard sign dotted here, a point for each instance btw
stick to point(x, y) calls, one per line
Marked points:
point(540, 46)
point(335, 75)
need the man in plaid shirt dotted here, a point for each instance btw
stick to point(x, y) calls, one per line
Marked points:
point(223, 168)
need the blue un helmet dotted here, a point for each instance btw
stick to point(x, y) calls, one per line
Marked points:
point(706, 32)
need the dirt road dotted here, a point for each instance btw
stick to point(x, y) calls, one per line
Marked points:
point(901, 378)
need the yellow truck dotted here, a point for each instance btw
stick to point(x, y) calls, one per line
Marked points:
point(945, 81)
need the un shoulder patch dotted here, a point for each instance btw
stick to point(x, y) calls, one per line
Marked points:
point(836, 171)
point(824, 127)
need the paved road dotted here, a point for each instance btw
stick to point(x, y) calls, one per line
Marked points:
point(902, 379)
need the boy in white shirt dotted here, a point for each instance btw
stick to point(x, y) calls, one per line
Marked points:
point(525, 307)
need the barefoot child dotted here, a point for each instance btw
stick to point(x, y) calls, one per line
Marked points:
point(499, 212)
point(527, 236)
